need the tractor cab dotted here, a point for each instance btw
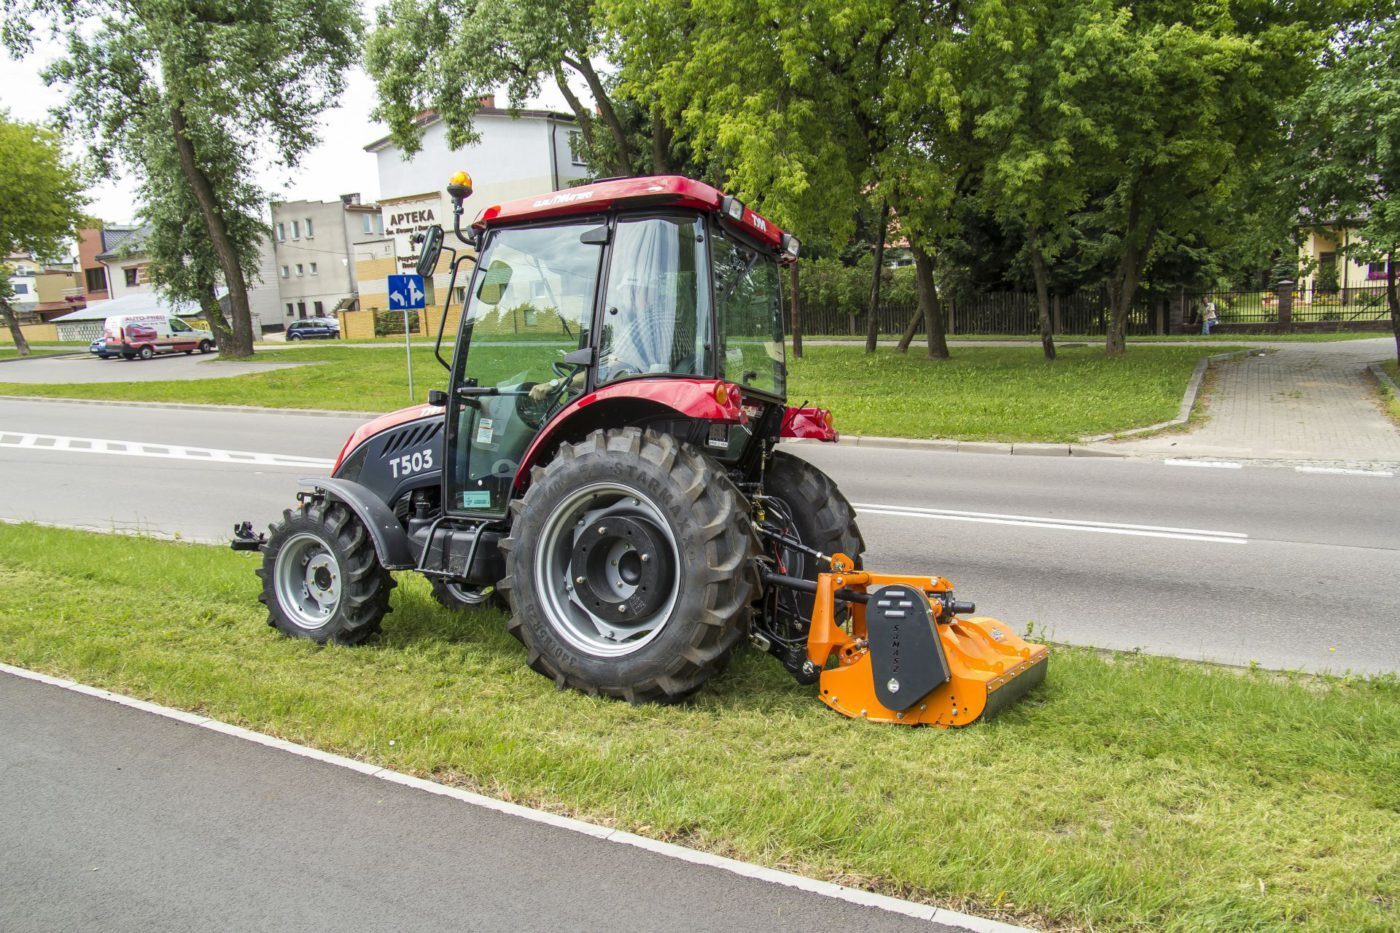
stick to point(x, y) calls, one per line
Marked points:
point(634, 294)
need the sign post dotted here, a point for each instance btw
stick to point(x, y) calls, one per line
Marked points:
point(406, 293)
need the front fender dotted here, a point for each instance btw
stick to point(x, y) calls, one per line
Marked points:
point(391, 544)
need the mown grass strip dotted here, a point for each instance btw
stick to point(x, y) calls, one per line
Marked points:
point(982, 393)
point(1128, 792)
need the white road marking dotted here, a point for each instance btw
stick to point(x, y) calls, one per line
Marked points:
point(1057, 524)
point(1342, 471)
point(1217, 464)
point(97, 445)
point(607, 834)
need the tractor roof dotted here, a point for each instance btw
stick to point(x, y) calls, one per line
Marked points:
point(635, 193)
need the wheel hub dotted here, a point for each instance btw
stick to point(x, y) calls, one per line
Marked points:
point(620, 568)
point(308, 580)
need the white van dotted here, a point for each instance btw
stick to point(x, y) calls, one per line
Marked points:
point(145, 335)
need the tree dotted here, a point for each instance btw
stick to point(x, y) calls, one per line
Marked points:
point(41, 204)
point(448, 56)
point(1346, 145)
point(207, 76)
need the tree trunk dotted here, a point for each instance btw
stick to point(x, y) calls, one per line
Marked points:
point(581, 114)
point(1122, 286)
point(872, 315)
point(218, 324)
point(240, 343)
point(17, 335)
point(934, 324)
point(660, 143)
point(605, 108)
point(1392, 297)
point(796, 320)
point(910, 329)
point(1042, 296)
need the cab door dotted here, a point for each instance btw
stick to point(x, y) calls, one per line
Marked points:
point(531, 306)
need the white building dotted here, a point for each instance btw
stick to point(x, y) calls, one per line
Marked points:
point(526, 153)
point(312, 243)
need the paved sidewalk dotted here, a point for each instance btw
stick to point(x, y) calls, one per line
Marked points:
point(1303, 401)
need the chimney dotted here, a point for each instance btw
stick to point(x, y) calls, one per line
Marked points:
point(488, 101)
point(350, 199)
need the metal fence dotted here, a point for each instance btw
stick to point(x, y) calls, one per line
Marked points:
point(1086, 312)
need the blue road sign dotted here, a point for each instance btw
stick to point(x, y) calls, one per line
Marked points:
point(406, 293)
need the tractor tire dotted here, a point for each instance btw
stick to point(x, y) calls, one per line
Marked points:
point(817, 512)
point(685, 554)
point(321, 578)
point(460, 597)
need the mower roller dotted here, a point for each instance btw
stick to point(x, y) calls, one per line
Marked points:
point(604, 466)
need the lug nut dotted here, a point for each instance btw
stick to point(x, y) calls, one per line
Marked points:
point(579, 580)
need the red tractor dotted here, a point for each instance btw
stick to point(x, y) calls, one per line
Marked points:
point(605, 465)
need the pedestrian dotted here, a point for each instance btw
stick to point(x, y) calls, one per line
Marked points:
point(1209, 318)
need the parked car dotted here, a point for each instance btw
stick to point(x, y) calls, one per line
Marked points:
point(99, 348)
point(314, 327)
point(145, 335)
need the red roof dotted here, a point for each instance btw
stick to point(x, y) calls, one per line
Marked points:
point(649, 191)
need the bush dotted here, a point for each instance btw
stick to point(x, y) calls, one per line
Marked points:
point(388, 323)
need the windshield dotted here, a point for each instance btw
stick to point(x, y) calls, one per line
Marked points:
point(749, 303)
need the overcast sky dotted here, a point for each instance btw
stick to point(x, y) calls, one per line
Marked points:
point(337, 166)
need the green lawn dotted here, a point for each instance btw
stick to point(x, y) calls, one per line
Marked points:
point(10, 353)
point(1392, 401)
point(1097, 339)
point(982, 393)
point(1127, 792)
point(996, 393)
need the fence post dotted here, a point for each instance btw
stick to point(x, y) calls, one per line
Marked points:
point(1058, 324)
point(1284, 291)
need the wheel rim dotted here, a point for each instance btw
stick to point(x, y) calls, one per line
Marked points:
point(308, 580)
point(610, 563)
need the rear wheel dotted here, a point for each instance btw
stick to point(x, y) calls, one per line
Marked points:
point(146, 353)
point(630, 567)
point(321, 577)
point(205, 346)
point(805, 503)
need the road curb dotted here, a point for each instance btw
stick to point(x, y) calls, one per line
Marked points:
point(194, 406)
point(670, 850)
point(1384, 379)
point(1183, 411)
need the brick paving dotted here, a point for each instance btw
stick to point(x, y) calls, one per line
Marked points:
point(1302, 401)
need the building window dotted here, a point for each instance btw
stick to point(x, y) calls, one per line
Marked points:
point(364, 224)
point(133, 277)
point(313, 268)
point(286, 272)
point(576, 148)
point(296, 230)
point(301, 309)
point(301, 270)
point(20, 288)
point(96, 279)
point(1376, 270)
point(320, 308)
point(290, 309)
point(281, 233)
point(310, 230)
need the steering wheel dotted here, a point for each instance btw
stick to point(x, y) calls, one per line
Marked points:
point(533, 412)
point(563, 370)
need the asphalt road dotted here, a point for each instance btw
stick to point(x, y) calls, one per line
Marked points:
point(117, 820)
point(1285, 569)
point(167, 367)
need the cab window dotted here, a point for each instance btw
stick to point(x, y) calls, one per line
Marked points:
point(656, 316)
point(750, 302)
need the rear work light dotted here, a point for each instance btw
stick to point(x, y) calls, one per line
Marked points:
point(732, 207)
point(791, 247)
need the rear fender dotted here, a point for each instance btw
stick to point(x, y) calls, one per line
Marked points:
point(391, 544)
point(630, 402)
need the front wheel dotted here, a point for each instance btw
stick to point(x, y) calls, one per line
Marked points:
point(146, 353)
point(461, 597)
point(321, 578)
point(630, 567)
point(205, 346)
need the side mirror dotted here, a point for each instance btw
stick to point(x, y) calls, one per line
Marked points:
point(437, 397)
point(580, 357)
point(494, 282)
point(428, 255)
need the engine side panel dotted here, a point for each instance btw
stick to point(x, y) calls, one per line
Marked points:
point(406, 455)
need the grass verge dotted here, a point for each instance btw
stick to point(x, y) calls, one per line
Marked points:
point(982, 393)
point(1097, 339)
point(1127, 792)
point(1389, 400)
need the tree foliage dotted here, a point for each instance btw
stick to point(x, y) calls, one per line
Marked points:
point(210, 86)
point(41, 200)
point(1346, 145)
